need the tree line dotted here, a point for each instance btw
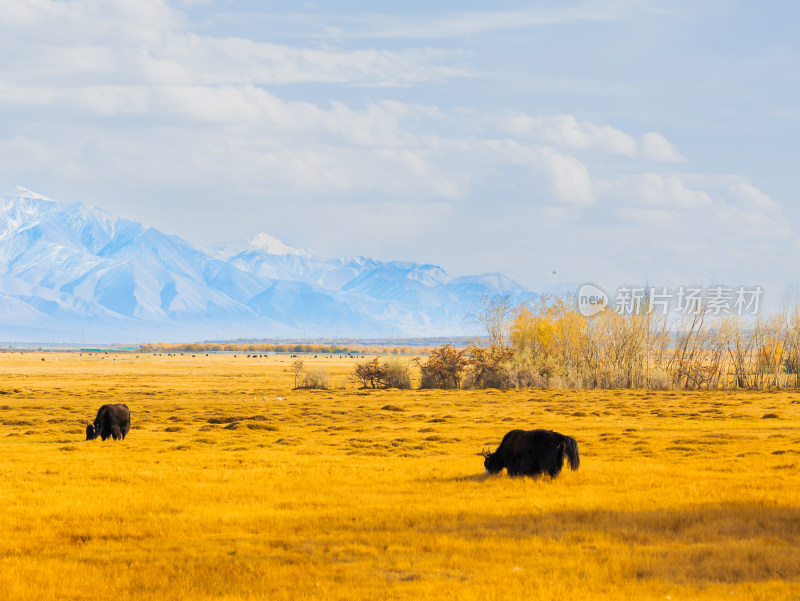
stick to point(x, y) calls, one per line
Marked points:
point(548, 343)
point(266, 347)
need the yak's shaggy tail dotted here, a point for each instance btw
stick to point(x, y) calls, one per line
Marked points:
point(571, 452)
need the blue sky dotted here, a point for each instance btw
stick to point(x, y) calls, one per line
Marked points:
point(619, 142)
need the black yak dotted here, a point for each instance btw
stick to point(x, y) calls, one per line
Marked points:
point(532, 452)
point(111, 420)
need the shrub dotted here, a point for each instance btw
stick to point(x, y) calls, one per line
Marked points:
point(488, 367)
point(396, 375)
point(369, 374)
point(444, 368)
point(390, 374)
point(316, 378)
point(522, 374)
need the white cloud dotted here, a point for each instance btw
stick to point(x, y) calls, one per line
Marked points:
point(656, 147)
point(51, 24)
point(659, 219)
point(469, 23)
point(659, 190)
point(701, 219)
point(146, 43)
point(567, 131)
point(193, 3)
point(132, 100)
point(206, 60)
point(750, 197)
point(569, 177)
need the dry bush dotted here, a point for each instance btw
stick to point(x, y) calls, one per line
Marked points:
point(316, 378)
point(369, 374)
point(393, 373)
point(659, 379)
point(488, 367)
point(397, 374)
point(521, 373)
point(444, 368)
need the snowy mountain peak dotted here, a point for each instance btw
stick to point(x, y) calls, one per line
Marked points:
point(68, 269)
point(262, 243)
point(22, 208)
point(23, 192)
point(270, 244)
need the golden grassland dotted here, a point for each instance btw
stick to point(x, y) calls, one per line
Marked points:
point(231, 485)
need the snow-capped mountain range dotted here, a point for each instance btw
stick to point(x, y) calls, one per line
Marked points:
point(73, 273)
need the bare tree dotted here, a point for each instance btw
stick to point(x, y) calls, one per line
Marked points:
point(296, 368)
point(494, 316)
point(370, 374)
point(792, 325)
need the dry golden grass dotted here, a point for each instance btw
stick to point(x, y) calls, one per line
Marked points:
point(231, 485)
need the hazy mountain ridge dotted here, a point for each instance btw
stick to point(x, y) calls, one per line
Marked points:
point(73, 271)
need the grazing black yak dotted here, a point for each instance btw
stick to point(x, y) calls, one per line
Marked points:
point(532, 452)
point(111, 420)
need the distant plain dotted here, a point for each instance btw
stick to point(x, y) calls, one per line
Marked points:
point(231, 485)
